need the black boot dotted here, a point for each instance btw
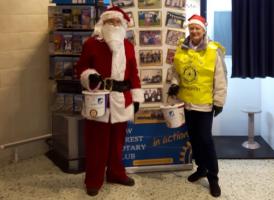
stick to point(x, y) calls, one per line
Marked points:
point(92, 191)
point(127, 182)
point(197, 175)
point(214, 186)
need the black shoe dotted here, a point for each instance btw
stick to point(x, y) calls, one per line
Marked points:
point(196, 176)
point(92, 191)
point(214, 188)
point(128, 182)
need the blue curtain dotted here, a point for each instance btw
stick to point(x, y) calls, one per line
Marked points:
point(252, 38)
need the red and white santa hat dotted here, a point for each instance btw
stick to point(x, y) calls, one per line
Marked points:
point(115, 12)
point(109, 13)
point(197, 19)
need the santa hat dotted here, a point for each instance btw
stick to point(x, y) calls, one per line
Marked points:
point(115, 12)
point(109, 13)
point(197, 19)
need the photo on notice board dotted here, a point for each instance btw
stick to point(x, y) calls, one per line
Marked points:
point(175, 20)
point(131, 22)
point(123, 3)
point(150, 38)
point(149, 115)
point(149, 4)
point(170, 56)
point(150, 18)
point(169, 74)
point(173, 37)
point(180, 4)
point(151, 76)
point(150, 57)
point(153, 95)
point(131, 36)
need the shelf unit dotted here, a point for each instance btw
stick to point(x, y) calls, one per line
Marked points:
point(71, 23)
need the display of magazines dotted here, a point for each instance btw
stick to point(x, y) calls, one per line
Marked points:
point(65, 102)
point(67, 43)
point(62, 67)
point(71, 17)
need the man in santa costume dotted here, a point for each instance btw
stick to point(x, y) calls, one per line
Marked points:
point(108, 60)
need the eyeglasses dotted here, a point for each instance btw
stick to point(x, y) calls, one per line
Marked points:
point(114, 22)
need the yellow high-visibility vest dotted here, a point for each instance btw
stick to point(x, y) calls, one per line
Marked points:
point(196, 72)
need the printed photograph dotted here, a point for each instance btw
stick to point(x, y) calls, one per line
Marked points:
point(175, 20)
point(173, 37)
point(68, 70)
point(150, 18)
point(149, 4)
point(58, 69)
point(58, 39)
point(169, 74)
point(77, 103)
point(131, 36)
point(151, 57)
point(170, 56)
point(180, 4)
point(151, 76)
point(150, 38)
point(153, 95)
point(132, 22)
point(149, 115)
point(123, 3)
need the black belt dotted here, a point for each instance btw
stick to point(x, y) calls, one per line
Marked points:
point(113, 85)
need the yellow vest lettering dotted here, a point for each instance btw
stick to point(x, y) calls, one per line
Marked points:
point(196, 72)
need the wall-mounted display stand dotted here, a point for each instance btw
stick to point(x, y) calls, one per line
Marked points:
point(70, 22)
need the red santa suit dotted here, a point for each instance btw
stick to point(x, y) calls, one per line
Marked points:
point(105, 136)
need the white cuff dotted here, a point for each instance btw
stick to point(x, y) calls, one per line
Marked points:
point(84, 78)
point(138, 95)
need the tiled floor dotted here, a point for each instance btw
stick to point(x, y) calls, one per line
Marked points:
point(39, 179)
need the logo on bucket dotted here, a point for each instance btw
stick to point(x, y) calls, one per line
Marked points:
point(93, 113)
point(171, 113)
point(100, 100)
point(95, 103)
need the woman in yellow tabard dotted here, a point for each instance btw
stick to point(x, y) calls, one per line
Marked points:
point(200, 82)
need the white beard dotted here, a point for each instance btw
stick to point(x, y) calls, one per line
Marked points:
point(114, 37)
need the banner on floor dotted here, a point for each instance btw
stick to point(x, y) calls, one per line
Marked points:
point(154, 146)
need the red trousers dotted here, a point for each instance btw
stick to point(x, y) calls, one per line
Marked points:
point(104, 148)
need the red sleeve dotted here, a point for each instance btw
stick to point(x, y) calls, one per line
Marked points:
point(134, 77)
point(85, 60)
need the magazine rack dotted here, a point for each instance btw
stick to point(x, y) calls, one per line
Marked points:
point(70, 23)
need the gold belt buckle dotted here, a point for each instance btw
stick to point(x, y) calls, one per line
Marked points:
point(105, 83)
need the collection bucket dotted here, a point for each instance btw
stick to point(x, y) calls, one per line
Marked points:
point(174, 115)
point(95, 103)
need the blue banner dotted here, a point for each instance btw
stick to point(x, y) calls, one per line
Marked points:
point(156, 144)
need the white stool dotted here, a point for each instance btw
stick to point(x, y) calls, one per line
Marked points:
point(250, 143)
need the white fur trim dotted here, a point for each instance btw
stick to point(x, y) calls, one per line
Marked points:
point(117, 108)
point(195, 21)
point(113, 14)
point(118, 65)
point(138, 95)
point(84, 78)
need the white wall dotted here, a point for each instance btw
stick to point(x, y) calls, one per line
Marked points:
point(24, 94)
point(241, 92)
point(267, 121)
